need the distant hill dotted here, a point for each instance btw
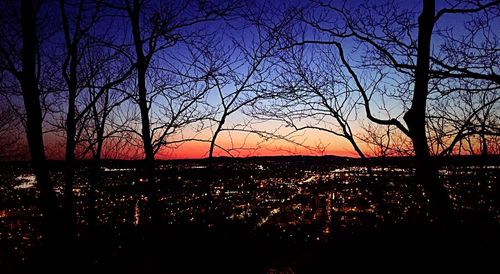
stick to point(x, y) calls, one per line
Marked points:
point(327, 159)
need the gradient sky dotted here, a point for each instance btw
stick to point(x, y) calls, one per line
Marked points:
point(312, 142)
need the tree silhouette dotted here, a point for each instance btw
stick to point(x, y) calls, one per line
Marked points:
point(21, 62)
point(76, 24)
point(243, 67)
point(394, 44)
point(154, 28)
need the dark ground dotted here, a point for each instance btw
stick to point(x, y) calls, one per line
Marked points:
point(471, 248)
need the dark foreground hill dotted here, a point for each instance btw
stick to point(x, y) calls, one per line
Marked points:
point(469, 248)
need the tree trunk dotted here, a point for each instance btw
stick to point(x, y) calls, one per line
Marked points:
point(72, 85)
point(69, 172)
point(426, 169)
point(48, 203)
point(209, 216)
point(214, 139)
point(142, 65)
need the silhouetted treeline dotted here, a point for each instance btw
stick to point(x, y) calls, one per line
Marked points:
point(138, 79)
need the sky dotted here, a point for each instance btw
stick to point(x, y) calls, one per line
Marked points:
point(308, 142)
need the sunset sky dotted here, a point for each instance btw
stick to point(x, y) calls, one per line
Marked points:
point(305, 142)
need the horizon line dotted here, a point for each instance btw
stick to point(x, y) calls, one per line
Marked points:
point(260, 156)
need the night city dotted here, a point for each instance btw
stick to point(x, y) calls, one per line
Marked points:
point(274, 137)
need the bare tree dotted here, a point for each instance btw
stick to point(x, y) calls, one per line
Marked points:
point(20, 59)
point(315, 96)
point(392, 41)
point(76, 24)
point(81, 42)
point(104, 75)
point(154, 28)
point(244, 68)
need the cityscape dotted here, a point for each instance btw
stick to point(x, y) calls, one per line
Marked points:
point(249, 136)
point(291, 200)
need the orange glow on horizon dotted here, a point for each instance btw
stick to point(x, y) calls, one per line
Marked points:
point(252, 147)
point(238, 147)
